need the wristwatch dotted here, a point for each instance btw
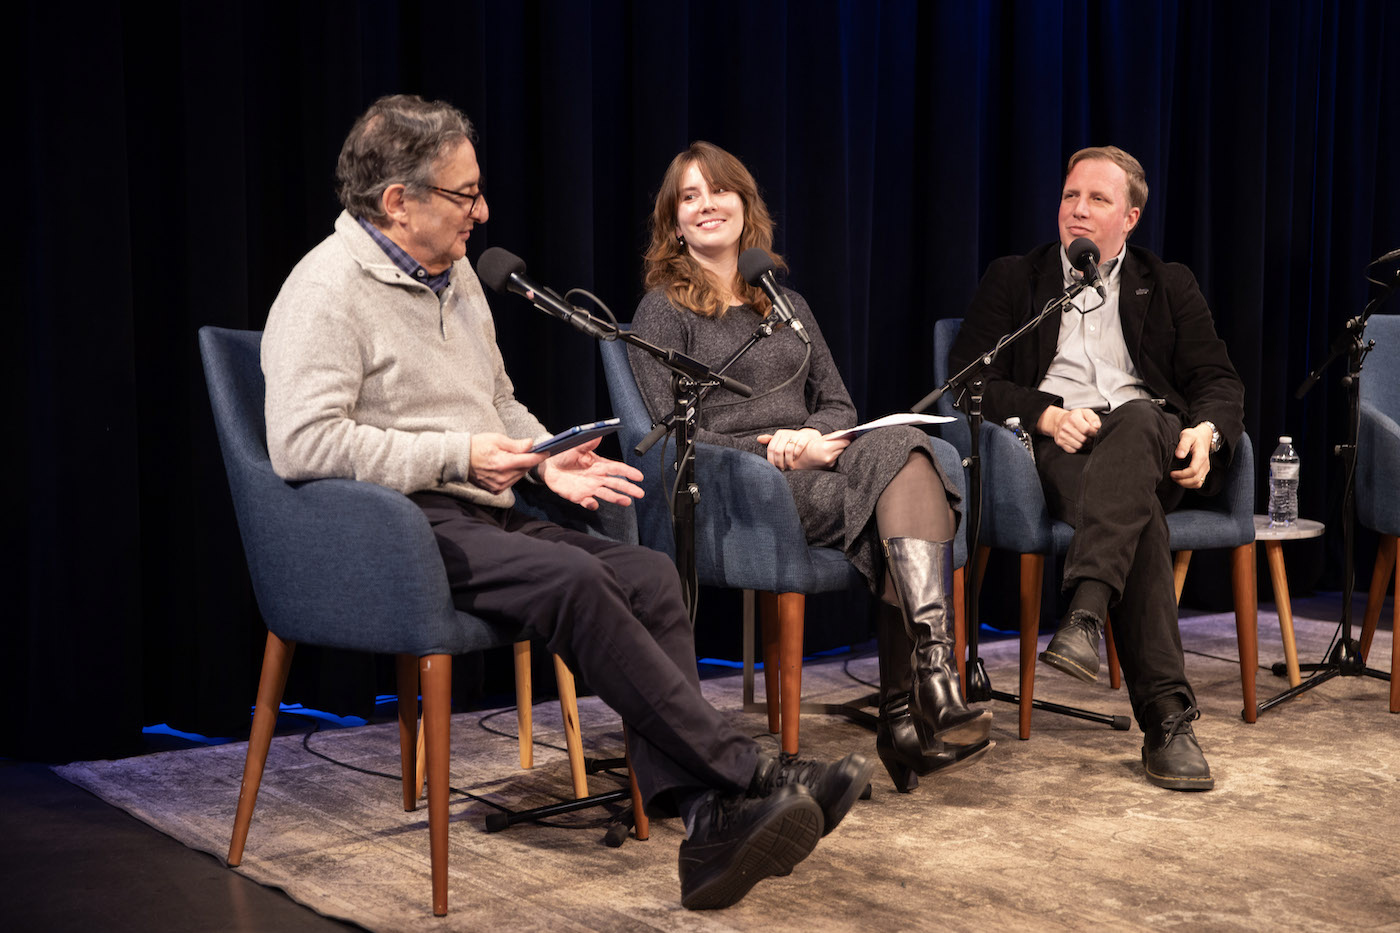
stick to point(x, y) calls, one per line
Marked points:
point(1215, 441)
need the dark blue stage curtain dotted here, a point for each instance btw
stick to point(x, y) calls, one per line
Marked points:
point(176, 160)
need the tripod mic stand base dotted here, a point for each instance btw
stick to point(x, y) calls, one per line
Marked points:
point(1117, 723)
point(979, 689)
point(1345, 660)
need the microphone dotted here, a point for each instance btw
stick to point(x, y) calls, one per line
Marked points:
point(1084, 256)
point(756, 266)
point(505, 272)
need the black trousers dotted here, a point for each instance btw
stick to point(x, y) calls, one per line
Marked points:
point(613, 612)
point(1116, 492)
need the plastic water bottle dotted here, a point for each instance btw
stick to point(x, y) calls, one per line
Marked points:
point(1283, 484)
point(1013, 424)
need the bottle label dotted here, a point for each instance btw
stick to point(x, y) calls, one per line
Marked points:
point(1284, 471)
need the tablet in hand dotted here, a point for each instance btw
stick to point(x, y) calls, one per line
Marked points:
point(579, 434)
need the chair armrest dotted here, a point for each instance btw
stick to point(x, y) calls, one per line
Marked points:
point(1014, 515)
point(1377, 465)
point(343, 563)
point(746, 523)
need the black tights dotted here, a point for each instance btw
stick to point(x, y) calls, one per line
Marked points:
point(913, 505)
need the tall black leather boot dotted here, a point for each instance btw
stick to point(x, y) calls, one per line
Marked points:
point(896, 742)
point(923, 575)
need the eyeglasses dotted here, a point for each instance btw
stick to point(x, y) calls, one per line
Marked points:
point(470, 199)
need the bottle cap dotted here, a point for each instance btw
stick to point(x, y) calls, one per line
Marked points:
point(1285, 439)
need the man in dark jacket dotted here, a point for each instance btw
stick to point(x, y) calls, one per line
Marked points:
point(1132, 400)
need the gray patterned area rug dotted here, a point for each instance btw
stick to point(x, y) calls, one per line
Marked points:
point(1060, 832)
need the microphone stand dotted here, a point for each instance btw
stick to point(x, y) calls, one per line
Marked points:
point(979, 684)
point(699, 378)
point(690, 387)
point(1345, 658)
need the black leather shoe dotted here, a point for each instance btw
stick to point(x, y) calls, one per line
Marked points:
point(835, 785)
point(1172, 757)
point(738, 841)
point(1075, 648)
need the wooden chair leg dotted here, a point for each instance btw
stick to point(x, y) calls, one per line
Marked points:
point(524, 704)
point(984, 553)
point(410, 758)
point(640, 824)
point(1283, 603)
point(770, 622)
point(1375, 597)
point(421, 775)
point(573, 737)
point(960, 624)
point(1394, 667)
point(435, 675)
point(277, 660)
point(792, 608)
point(1386, 555)
point(1032, 572)
point(1242, 561)
point(1179, 567)
point(1115, 670)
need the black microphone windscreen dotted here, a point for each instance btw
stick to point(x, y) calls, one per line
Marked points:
point(496, 266)
point(753, 262)
point(1082, 252)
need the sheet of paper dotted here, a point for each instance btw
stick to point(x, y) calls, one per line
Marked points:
point(904, 417)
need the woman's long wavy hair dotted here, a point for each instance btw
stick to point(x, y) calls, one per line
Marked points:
point(669, 264)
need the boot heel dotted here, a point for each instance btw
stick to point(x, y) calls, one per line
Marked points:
point(901, 774)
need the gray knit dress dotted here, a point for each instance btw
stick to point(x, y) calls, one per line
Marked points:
point(836, 506)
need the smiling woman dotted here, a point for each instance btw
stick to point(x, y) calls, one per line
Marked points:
point(881, 498)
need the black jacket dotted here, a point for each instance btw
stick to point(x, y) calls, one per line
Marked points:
point(1166, 324)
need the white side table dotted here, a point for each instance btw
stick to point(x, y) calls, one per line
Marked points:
point(1273, 538)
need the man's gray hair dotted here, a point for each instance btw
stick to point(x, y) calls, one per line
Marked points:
point(397, 141)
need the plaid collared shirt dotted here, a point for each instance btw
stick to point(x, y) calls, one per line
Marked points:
point(406, 262)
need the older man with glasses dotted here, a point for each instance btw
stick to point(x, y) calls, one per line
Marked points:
point(381, 364)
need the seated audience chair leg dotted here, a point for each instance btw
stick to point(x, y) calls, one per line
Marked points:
point(1032, 573)
point(1375, 599)
point(277, 660)
point(435, 675)
point(524, 699)
point(1115, 670)
point(769, 624)
point(1180, 565)
point(789, 616)
point(573, 738)
point(411, 757)
point(640, 823)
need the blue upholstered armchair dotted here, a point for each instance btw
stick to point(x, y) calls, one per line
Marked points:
point(1377, 469)
point(747, 536)
point(1015, 518)
point(350, 565)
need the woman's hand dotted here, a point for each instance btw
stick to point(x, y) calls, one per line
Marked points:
point(804, 449)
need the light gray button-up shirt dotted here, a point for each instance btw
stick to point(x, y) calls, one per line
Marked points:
point(1092, 368)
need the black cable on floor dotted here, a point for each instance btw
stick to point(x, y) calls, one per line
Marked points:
point(398, 778)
